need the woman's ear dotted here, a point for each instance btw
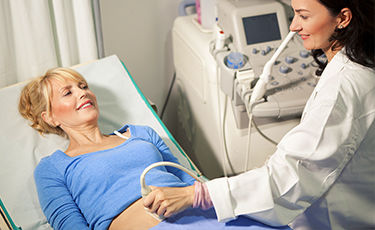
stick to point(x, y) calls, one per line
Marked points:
point(344, 18)
point(48, 118)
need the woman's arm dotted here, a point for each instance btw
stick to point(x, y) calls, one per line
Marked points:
point(55, 199)
point(168, 156)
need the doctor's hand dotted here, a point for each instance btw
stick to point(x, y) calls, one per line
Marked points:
point(167, 201)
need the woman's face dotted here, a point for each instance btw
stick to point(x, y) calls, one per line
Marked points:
point(73, 105)
point(314, 24)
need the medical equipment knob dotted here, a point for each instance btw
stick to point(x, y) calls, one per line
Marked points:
point(284, 69)
point(290, 59)
point(304, 53)
point(266, 51)
point(254, 51)
point(235, 60)
point(303, 66)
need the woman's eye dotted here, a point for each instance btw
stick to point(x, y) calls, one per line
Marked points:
point(84, 86)
point(67, 93)
point(303, 16)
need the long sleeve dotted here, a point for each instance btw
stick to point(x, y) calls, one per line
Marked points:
point(168, 156)
point(56, 202)
point(310, 159)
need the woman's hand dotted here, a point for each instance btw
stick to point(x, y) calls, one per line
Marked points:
point(167, 201)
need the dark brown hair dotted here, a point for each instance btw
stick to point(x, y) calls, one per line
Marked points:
point(358, 37)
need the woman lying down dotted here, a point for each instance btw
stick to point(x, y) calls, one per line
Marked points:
point(94, 183)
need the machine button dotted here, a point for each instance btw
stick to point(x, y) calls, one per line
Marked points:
point(284, 69)
point(254, 51)
point(235, 60)
point(304, 65)
point(290, 59)
point(266, 50)
point(304, 53)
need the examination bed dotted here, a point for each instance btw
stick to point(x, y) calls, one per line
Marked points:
point(120, 102)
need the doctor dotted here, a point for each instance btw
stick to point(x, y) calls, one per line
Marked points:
point(322, 173)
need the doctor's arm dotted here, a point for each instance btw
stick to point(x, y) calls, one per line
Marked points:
point(55, 199)
point(308, 161)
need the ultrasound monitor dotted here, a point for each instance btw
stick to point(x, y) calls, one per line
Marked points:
point(261, 28)
point(253, 23)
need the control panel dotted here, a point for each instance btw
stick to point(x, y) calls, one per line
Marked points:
point(256, 29)
point(291, 82)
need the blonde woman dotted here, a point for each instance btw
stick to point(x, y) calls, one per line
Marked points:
point(94, 183)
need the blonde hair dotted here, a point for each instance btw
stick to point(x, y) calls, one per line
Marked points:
point(36, 98)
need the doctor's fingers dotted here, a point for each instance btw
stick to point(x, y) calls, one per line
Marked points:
point(172, 211)
point(149, 200)
point(153, 200)
point(163, 202)
point(166, 208)
point(162, 210)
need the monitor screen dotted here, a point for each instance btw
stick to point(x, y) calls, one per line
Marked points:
point(261, 28)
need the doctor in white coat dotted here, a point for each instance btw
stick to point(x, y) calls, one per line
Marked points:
point(322, 175)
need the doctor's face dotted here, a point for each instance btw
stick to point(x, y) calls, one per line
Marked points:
point(73, 104)
point(314, 23)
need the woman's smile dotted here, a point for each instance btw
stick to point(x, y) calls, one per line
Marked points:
point(304, 36)
point(85, 105)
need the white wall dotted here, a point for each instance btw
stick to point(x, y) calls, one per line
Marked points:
point(139, 33)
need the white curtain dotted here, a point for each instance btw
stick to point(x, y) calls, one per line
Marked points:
point(36, 35)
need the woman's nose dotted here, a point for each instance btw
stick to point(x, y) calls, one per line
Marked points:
point(295, 26)
point(82, 93)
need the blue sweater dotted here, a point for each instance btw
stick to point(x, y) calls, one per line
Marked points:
point(89, 190)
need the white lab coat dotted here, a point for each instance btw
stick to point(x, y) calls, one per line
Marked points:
point(322, 175)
